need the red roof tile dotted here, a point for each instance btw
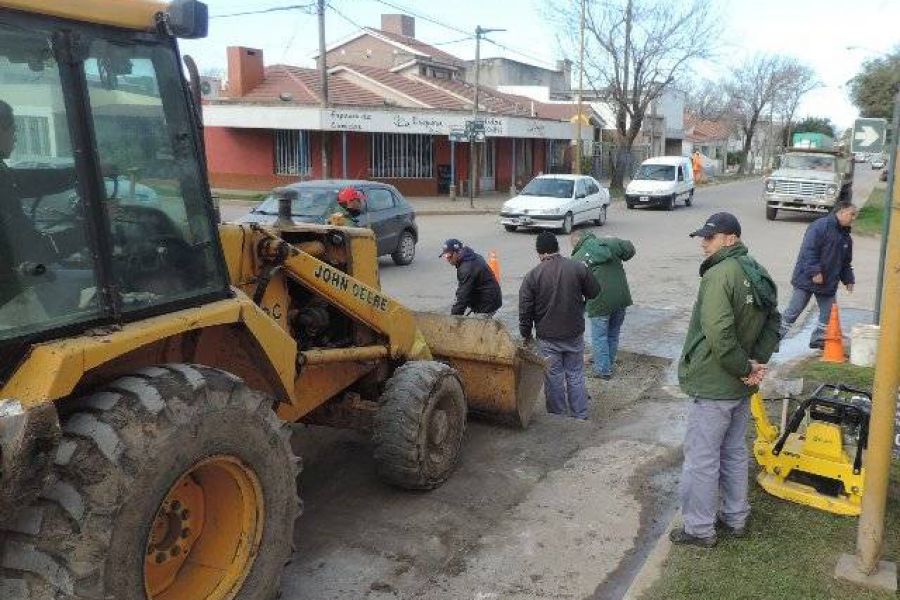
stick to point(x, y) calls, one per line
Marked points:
point(424, 49)
point(414, 88)
point(304, 87)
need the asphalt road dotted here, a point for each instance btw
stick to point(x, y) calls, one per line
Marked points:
point(563, 509)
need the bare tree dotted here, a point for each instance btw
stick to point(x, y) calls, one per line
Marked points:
point(753, 87)
point(705, 99)
point(634, 50)
point(799, 80)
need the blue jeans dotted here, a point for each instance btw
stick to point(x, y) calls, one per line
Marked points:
point(605, 340)
point(564, 379)
point(799, 300)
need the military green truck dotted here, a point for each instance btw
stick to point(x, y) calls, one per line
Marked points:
point(810, 177)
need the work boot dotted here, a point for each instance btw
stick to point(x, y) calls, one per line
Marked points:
point(681, 537)
point(737, 532)
point(817, 344)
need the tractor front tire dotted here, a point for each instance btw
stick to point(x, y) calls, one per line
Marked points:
point(420, 425)
point(173, 482)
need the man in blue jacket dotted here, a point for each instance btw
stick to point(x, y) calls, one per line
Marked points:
point(825, 259)
point(477, 289)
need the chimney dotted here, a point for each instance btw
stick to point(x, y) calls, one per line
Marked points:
point(245, 70)
point(399, 24)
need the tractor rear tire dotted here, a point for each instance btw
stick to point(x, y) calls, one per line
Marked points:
point(420, 425)
point(157, 472)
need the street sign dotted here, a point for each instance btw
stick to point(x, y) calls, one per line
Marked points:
point(868, 135)
point(475, 126)
point(458, 135)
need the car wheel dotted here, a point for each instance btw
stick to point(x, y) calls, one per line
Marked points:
point(690, 199)
point(601, 219)
point(510, 228)
point(629, 205)
point(567, 223)
point(670, 202)
point(771, 213)
point(406, 249)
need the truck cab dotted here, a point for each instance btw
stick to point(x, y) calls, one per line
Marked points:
point(809, 180)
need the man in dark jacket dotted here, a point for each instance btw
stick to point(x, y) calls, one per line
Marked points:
point(551, 301)
point(477, 288)
point(825, 259)
point(732, 334)
point(604, 258)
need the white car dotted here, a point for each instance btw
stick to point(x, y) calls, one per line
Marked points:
point(556, 202)
point(877, 162)
point(661, 181)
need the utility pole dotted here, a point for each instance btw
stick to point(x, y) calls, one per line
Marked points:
point(865, 567)
point(323, 74)
point(578, 152)
point(473, 155)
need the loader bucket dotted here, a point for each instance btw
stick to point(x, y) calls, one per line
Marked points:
point(502, 379)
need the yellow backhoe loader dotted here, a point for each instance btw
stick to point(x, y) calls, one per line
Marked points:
point(152, 359)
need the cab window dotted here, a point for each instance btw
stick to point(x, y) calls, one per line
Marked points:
point(47, 273)
point(160, 228)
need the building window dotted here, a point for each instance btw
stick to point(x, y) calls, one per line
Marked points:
point(292, 156)
point(401, 156)
point(32, 138)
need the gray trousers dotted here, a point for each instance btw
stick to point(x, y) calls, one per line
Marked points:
point(715, 477)
point(564, 378)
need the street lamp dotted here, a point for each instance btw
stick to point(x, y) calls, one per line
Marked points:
point(479, 31)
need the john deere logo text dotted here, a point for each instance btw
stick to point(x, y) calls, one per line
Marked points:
point(340, 281)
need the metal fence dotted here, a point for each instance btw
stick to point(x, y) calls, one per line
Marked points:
point(605, 154)
point(401, 156)
point(292, 155)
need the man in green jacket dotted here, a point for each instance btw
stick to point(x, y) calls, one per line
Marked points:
point(732, 334)
point(603, 258)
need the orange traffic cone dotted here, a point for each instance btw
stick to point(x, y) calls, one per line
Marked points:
point(834, 339)
point(494, 265)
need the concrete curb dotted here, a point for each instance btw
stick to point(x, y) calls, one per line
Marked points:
point(652, 568)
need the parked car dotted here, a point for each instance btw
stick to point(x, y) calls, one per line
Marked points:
point(556, 202)
point(386, 212)
point(661, 181)
point(877, 161)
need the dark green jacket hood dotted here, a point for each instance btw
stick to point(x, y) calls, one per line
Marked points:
point(603, 258)
point(735, 319)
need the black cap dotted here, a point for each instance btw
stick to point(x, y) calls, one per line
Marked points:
point(722, 222)
point(546, 243)
point(451, 245)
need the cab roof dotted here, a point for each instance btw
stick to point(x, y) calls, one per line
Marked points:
point(128, 14)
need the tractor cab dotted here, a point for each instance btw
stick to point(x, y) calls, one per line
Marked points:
point(105, 214)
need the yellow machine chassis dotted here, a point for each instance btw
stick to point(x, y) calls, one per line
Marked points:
point(817, 451)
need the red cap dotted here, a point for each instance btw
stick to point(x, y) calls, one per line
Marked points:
point(349, 194)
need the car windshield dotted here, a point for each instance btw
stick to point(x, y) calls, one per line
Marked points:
point(308, 203)
point(551, 187)
point(808, 162)
point(655, 173)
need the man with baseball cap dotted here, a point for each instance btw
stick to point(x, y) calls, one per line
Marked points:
point(477, 289)
point(732, 333)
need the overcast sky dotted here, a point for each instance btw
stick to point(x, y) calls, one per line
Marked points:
point(818, 32)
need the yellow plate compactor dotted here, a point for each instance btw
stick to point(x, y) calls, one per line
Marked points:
point(821, 464)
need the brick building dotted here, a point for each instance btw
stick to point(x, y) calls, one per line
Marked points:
point(393, 101)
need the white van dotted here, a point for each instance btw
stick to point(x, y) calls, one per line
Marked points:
point(661, 181)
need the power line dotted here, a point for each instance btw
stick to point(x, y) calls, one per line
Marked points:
point(447, 43)
point(424, 17)
point(303, 7)
point(344, 17)
point(443, 24)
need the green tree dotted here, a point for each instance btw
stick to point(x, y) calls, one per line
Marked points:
point(816, 125)
point(873, 89)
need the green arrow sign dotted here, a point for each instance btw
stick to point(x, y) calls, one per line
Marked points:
point(868, 135)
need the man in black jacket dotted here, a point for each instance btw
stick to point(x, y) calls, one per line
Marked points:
point(477, 288)
point(551, 301)
point(825, 259)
